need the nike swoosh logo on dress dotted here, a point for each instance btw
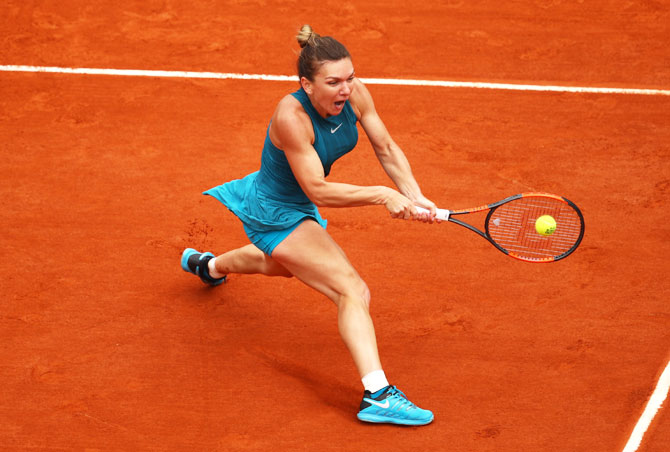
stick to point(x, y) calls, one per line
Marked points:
point(335, 129)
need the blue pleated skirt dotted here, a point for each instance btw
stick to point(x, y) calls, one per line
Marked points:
point(267, 221)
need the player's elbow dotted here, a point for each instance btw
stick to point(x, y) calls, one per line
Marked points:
point(383, 150)
point(320, 200)
point(387, 153)
point(317, 192)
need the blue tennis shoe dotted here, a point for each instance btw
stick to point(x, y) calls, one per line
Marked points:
point(391, 406)
point(195, 262)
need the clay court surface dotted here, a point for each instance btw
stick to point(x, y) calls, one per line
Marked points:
point(107, 345)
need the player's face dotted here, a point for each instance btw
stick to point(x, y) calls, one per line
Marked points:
point(332, 86)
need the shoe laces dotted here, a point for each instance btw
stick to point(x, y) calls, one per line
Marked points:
point(402, 402)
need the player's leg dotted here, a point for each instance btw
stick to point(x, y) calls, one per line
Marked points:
point(311, 255)
point(213, 270)
point(249, 260)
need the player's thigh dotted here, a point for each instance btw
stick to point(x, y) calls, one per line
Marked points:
point(312, 256)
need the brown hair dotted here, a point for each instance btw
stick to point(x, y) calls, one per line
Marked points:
point(316, 50)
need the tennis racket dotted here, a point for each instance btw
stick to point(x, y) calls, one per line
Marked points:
point(510, 226)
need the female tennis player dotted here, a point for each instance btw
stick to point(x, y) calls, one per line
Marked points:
point(309, 130)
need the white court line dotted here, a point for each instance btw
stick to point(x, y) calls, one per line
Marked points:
point(654, 404)
point(372, 81)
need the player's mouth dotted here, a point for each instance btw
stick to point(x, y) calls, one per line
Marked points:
point(339, 104)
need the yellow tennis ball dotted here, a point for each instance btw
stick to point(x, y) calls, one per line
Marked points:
point(545, 225)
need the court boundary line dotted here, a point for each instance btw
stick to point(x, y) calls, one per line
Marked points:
point(372, 81)
point(653, 406)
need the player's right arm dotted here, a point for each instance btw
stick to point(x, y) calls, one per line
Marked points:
point(292, 131)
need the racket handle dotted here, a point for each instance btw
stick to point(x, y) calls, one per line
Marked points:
point(442, 214)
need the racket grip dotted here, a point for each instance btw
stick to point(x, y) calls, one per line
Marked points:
point(442, 214)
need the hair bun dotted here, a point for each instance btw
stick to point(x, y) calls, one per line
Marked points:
point(306, 36)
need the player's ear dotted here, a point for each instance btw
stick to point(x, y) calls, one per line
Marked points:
point(306, 85)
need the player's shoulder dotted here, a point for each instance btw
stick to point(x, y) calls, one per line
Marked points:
point(360, 99)
point(289, 109)
point(290, 121)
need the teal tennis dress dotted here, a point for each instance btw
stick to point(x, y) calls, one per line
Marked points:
point(270, 202)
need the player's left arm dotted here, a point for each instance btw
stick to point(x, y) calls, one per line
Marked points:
point(389, 154)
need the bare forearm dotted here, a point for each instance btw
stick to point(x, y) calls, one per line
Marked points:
point(397, 167)
point(335, 194)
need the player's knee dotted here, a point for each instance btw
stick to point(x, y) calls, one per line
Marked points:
point(278, 270)
point(365, 295)
point(358, 293)
point(274, 268)
point(361, 291)
point(283, 272)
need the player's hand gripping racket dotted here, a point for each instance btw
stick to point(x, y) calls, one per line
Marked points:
point(513, 225)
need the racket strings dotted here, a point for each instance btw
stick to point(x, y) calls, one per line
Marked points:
point(512, 226)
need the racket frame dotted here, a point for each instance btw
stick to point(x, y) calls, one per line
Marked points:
point(448, 215)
